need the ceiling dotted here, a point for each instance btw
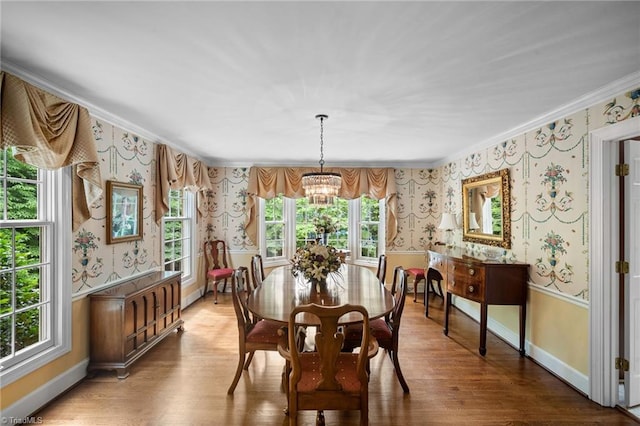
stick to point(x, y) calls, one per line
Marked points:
point(403, 83)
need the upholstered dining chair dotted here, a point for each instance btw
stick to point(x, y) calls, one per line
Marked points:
point(385, 330)
point(257, 270)
point(381, 273)
point(418, 276)
point(216, 266)
point(327, 378)
point(261, 335)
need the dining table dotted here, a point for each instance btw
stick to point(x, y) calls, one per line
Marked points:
point(281, 291)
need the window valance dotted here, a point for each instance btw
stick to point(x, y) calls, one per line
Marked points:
point(268, 182)
point(51, 133)
point(177, 171)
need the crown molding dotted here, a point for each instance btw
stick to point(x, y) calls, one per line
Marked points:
point(94, 110)
point(614, 88)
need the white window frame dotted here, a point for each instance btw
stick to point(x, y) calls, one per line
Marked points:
point(189, 210)
point(289, 217)
point(355, 237)
point(55, 203)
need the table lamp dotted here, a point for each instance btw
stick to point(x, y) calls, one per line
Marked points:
point(448, 223)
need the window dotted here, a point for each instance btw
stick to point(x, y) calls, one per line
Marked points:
point(274, 225)
point(178, 232)
point(369, 236)
point(35, 235)
point(357, 226)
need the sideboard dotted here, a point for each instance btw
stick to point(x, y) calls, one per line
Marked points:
point(130, 318)
point(488, 282)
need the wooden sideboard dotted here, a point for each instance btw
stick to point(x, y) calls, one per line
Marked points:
point(488, 282)
point(130, 318)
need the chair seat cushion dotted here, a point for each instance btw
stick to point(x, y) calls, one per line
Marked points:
point(379, 329)
point(346, 376)
point(218, 274)
point(416, 272)
point(264, 332)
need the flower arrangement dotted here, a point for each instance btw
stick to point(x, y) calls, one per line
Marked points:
point(325, 224)
point(315, 262)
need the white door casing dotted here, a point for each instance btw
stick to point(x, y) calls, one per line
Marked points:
point(632, 279)
point(603, 297)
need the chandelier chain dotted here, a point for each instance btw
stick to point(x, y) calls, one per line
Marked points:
point(321, 143)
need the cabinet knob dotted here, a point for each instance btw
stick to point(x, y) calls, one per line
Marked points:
point(472, 271)
point(453, 283)
point(471, 289)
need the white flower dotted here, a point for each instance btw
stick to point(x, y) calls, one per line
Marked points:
point(315, 262)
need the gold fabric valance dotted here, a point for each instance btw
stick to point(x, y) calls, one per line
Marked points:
point(50, 133)
point(177, 171)
point(268, 182)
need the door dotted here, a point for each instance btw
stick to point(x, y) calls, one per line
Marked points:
point(632, 279)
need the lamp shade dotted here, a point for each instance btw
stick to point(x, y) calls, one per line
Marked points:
point(448, 221)
point(473, 223)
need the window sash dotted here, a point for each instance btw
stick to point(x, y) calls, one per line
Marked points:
point(180, 244)
point(54, 303)
point(354, 243)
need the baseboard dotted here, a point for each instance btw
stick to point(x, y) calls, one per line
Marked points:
point(192, 298)
point(44, 394)
point(558, 368)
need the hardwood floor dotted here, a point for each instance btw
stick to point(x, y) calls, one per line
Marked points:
point(184, 380)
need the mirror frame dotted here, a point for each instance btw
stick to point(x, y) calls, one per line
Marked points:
point(501, 177)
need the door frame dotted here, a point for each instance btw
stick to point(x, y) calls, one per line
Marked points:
point(603, 250)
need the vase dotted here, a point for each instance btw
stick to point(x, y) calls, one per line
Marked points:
point(320, 285)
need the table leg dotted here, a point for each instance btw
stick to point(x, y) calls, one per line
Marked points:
point(483, 329)
point(447, 306)
point(523, 320)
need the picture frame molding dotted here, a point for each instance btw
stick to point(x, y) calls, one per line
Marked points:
point(125, 190)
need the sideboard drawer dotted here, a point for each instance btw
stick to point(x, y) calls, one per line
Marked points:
point(438, 262)
point(485, 281)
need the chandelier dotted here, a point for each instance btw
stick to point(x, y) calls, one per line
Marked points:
point(321, 188)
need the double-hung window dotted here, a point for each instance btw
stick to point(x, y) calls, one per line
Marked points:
point(356, 226)
point(178, 228)
point(35, 282)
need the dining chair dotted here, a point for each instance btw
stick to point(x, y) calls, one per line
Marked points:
point(381, 273)
point(216, 266)
point(257, 270)
point(261, 335)
point(327, 378)
point(385, 330)
point(418, 276)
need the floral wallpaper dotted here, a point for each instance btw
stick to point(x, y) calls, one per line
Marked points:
point(549, 189)
point(124, 157)
point(549, 169)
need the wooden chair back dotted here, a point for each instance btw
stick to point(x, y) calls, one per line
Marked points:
point(215, 254)
point(216, 266)
point(327, 378)
point(382, 268)
point(239, 297)
point(257, 270)
point(399, 295)
point(253, 334)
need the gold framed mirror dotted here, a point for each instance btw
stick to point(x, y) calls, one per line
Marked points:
point(486, 209)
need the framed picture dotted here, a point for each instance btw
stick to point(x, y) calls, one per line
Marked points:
point(124, 212)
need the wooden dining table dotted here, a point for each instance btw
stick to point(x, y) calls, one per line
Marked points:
point(280, 292)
